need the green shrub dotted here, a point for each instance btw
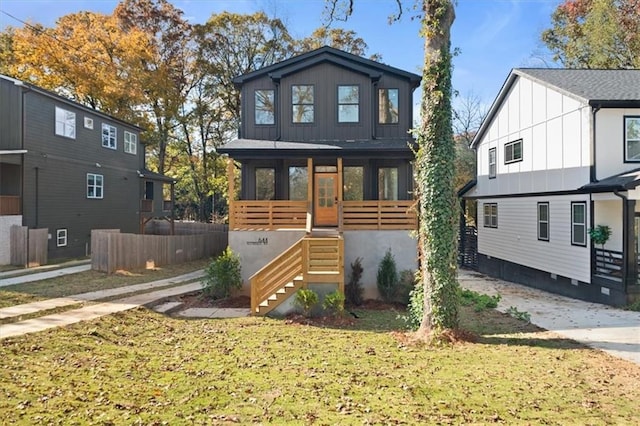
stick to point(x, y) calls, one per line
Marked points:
point(222, 276)
point(353, 289)
point(334, 303)
point(480, 302)
point(406, 283)
point(520, 315)
point(387, 278)
point(306, 299)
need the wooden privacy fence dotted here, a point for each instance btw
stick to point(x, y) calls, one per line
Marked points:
point(112, 250)
point(162, 227)
point(28, 247)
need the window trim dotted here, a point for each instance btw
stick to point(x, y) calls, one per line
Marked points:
point(378, 109)
point(59, 237)
point(94, 186)
point(129, 144)
point(64, 123)
point(493, 150)
point(312, 104)
point(339, 104)
point(547, 222)
point(584, 224)
point(625, 150)
point(492, 215)
point(115, 136)
point(513, 159)
point(255, 107)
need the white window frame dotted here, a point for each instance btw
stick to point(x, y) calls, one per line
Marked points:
point(582, 224)
point(493, 164)
point(510, 152)
point(490, 213)
point(61, 237)
point(95, 190)
point(130, 143)
point(88, 123)
point(543, 222)
point(109, 139)
point(627, 139)
point(65, 123)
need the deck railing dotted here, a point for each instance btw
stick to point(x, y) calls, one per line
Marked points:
point(608, 264)
point(285, 214)
point(10, 205)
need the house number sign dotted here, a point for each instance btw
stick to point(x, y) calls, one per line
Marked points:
point(259, 242)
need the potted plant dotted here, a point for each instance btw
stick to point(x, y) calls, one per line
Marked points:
point(600, 234)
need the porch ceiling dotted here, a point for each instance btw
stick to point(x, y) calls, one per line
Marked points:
point(620, 182)
point(250, 148)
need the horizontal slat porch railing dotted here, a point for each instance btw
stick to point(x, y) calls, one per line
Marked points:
point(10, 205)
point(267, 215)
point(379, 215)
point(309, 260)
point(608, 264)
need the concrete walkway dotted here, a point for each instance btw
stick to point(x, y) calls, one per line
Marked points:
point(38, 276)
point(612, 330)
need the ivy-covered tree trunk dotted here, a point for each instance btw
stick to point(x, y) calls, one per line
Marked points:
point(435, 173)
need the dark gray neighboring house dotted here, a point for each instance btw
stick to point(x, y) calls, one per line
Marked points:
point(70, 169)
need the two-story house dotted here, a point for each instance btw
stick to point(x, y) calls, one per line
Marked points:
point(324, 153)
point(70, 169)
point(557, 155)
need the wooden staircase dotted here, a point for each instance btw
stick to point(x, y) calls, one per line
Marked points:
point(315, 258)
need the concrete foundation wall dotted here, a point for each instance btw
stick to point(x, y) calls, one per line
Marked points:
point(6, 222)
point(257, 248)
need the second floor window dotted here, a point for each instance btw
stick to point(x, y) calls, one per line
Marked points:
point(492, 163)
point(109, 136)
point(513, 151)
point(302, 102)
point(95, 185)
point(632, 138)
point(348, 104)
point(130, 142)
point(265, 109)
point(65, 123)
point(388, 106)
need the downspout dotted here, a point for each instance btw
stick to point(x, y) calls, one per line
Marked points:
point(276, 101)
point(625, 240)
point(373, 110)
point(592, 168)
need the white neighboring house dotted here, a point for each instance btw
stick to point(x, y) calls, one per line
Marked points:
point(557, 155)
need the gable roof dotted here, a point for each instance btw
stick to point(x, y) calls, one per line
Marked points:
point(328, 54)
point(598, 88)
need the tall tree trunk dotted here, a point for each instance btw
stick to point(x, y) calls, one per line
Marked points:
point(435, 172)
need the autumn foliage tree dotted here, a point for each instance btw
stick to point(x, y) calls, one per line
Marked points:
point(595, 34)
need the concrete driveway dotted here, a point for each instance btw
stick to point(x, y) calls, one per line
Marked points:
point(612, 330)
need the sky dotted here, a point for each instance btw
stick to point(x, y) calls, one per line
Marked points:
point(493, 36)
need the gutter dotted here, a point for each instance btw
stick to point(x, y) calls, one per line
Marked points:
point(592, 168)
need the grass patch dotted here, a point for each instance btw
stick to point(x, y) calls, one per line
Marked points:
point(140, 367)
point(87, 281)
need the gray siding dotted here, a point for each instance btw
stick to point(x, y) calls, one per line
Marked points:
point(10, 125)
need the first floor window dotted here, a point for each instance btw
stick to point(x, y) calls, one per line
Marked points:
point(109, 137)
point(302, 102)
point(95, 185)
point(353, 183)
point(632, 138)
point(348, 104)
point(388, 111)
point(490, 215)
point(579, 223)
point(61, 237)
point(265, 183)
point(388, 183)
point(65, 123)
point(265, 107)
point(298, 183)
point(492, 163)
point(513, 151)
point(543, 221)
point(130, 142)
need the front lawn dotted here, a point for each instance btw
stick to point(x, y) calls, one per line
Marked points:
point(140, 367)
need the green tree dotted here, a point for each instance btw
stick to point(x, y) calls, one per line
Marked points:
point(434, 170)
point(595, 34)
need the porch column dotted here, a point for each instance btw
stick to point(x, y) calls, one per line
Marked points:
point(231, 178)
point(339, 195)
point(629, 243)
point(309, 224)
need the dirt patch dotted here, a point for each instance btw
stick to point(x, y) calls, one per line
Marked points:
point(199, 300)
